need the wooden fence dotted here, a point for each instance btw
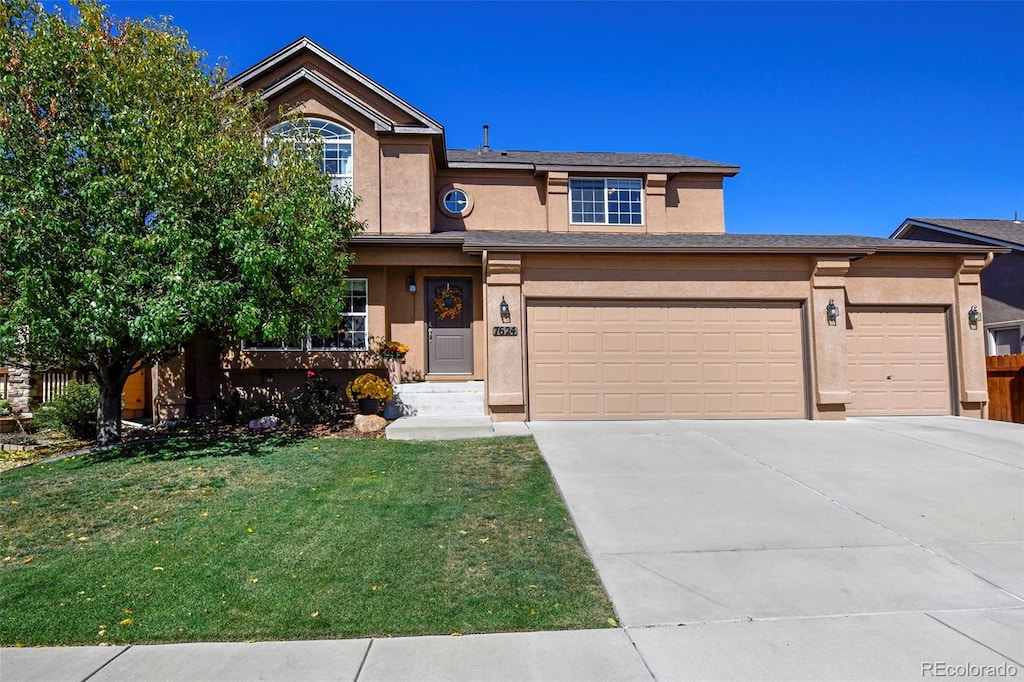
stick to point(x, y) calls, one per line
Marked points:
point(1006, 387)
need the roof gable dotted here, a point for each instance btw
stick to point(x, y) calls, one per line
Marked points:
point(1007, 233)
point(304, 60)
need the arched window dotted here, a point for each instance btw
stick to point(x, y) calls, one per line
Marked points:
point(337, 149)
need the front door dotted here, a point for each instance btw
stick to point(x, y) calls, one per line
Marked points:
point(449, 325)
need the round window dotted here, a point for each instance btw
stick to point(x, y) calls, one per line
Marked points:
point(456, 201)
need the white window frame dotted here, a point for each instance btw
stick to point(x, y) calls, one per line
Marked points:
point(335, 137)
point(364, 315)
point(990, 335)
point(605, 194)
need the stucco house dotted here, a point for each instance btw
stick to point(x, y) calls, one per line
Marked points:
point(1002, 282)
point(598, 285)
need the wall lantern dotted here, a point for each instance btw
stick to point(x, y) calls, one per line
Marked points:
point(973, 316)
point(505, 311)
point(412, 285)
point(831, 312)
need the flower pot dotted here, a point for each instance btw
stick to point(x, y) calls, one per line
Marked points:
point(369, 406)
point(394, 367)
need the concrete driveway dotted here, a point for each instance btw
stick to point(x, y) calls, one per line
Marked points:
point(866, 549)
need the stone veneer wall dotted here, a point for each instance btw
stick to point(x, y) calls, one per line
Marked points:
point(19, 387)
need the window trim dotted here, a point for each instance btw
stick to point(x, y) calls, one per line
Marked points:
point(321, 126)
point(443, 194)
point(990, 334)
point(606, 180)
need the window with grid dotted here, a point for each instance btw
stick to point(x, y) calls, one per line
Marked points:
point(351, 333)
point(606, 201)
point(336, 158)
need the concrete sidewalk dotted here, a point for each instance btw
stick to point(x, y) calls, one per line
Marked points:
point(529, 656)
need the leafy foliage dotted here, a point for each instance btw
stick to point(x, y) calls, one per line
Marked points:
point(73, 411)
point(315, 402)
point(137, 204)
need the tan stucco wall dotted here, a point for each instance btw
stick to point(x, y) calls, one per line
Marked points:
point(406, 186)
point(512, 200)
point(695, 203)
point(528, 201)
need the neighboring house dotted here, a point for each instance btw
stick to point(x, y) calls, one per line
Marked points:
point(1002, 282)
point(597, 285)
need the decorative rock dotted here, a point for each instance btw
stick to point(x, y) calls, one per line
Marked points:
point(265, 423)
point(367, 423)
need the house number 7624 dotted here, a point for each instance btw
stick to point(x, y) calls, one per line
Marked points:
point(506, 331)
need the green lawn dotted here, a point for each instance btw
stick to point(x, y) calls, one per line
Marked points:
point(256, 539)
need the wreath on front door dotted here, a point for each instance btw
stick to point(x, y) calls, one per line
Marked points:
point(447, 303)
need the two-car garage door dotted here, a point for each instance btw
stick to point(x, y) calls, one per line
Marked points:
point(625, 360)
point(629, 360)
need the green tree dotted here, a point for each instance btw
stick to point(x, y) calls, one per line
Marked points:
point(141, 202)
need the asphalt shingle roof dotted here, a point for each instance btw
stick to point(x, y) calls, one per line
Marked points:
point(1009, 231)
point(626, 242)
point(581, 160)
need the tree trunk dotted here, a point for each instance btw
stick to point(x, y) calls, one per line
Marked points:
point(108, 412)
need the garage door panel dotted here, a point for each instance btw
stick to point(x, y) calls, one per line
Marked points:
point(618, 373)
point(898, 361)
point(683, 342)
point(648, 373)
point(749, 342)
point(668, 360)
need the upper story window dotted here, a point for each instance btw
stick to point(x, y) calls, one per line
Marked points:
point(454, 202)
point(337, 146)
point(606, 201)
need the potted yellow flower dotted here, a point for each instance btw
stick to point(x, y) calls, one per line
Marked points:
point(369, 390)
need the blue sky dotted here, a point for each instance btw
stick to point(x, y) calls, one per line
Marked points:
point(845, 118)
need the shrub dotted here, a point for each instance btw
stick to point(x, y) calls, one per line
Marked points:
point(314, 402)
point(5, 408)
point(73, 411)
point(369, 386)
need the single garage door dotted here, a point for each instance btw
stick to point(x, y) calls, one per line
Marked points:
point(624, 360)
point(899, 361)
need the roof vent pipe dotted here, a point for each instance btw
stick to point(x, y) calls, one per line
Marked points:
point(1015, 218)
point(487, 138)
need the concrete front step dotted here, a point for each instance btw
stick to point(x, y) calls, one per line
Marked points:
point(435, 408)
point(451, 428)
point(456, 399)
point(439, 428)
point(441, 387)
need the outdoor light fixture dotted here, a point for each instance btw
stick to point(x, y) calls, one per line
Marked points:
point(506, 312)
point(412, 285)
point(973, 316)
point(831, 312)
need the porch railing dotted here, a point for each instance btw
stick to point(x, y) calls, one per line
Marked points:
point(53, 383)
